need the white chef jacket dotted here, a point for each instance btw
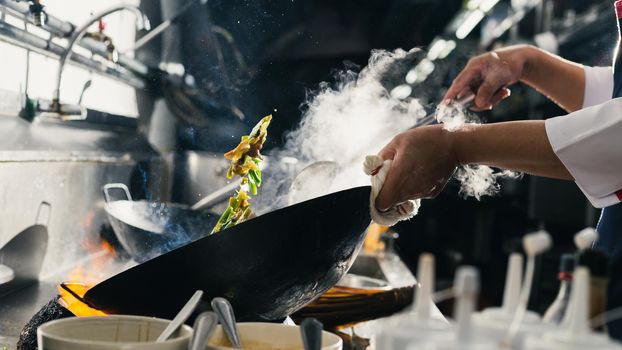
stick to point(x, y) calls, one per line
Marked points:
point(589, 141)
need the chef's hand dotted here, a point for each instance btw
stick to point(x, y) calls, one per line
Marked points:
point(489, 75)
point(423, 162)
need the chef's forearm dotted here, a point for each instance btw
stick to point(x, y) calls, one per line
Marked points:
point(520, 146)
point(561, 80)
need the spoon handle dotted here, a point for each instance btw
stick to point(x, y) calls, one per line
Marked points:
point(224, 310)
point(311, 330)
point(204, 326)
point(181, 317)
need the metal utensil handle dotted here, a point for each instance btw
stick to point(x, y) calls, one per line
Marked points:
point(311, 330)
point(49, 213)
point(465, 102)
point(181, 317)
point(78, 297)
point(223, 308)
point(203, 327)
point(116, 186)
point(217, 196)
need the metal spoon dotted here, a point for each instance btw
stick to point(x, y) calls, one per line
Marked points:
point(203, 327)
point(223, 308)
point(181, 317)
point(306, 182)
point(311, 330)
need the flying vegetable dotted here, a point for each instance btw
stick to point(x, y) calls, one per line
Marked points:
point(245, 159)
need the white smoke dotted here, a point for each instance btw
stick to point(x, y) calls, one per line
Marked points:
point(453, 116)
point(357, 117)
point(475, 180)
point(353, 118)
point(480, 180)
point(343, 123)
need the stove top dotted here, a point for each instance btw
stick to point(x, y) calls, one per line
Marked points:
point(17, 308)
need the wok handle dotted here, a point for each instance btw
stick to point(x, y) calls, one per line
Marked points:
point(78, 297)
point(47, 217)
point(116, 186)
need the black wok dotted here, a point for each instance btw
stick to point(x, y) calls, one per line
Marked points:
point(267, 267)
point(149, 229)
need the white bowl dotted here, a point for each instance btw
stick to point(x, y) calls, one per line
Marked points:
point(271, 336)
point(113, 332)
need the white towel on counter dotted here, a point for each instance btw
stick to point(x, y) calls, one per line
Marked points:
point(378, 170)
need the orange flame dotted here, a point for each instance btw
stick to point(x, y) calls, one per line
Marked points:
point(73, 304)
point(84, 276)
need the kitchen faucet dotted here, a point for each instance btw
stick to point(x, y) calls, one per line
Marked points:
point(142, 22)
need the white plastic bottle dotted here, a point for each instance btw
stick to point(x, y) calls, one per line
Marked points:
point(574, 333)
point(462, 335)
point(509, 324)
point(511, 295)
point(398, 331)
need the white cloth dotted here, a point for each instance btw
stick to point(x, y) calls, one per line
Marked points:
point(378, 170)
point(589, 141)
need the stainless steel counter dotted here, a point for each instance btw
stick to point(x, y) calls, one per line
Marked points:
point(65, 164)
point(17, 309)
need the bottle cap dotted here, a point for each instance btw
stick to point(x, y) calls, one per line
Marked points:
point(567, 263)
point(585, 238)
point(537, 242)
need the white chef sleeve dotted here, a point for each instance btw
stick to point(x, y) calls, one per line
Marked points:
point(598, 85)
point(589, 143)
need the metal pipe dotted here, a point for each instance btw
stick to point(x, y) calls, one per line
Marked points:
point(142, 21)
point(19, 37)
point(65, 29)
point(52, 23)
point(27, 77)
point(99, 48)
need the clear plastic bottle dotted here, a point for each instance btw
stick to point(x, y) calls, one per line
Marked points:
point(555, 313)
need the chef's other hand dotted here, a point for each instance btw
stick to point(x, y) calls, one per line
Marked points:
point(423, 162)
point(489, 75)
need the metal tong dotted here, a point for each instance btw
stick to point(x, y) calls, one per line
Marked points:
point(465, 102)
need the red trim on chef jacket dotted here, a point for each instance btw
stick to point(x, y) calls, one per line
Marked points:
point(619, 194)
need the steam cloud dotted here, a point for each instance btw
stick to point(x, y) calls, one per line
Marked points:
point(350, 119)
point(475, 180)
point(343, 123)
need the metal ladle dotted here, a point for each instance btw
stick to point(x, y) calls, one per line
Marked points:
point(224, 310)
